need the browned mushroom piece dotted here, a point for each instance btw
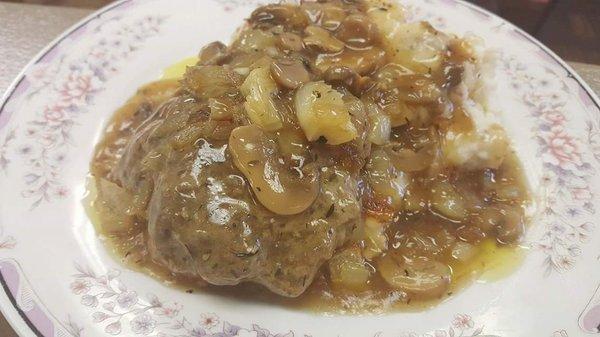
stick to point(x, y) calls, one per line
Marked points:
point(289, 73)
point(281, 14)
point(213, 54)
point(279, 185)
point(363, 61)
point(290, 42)
point(332, 16)
point(322, 40)
point(343, 76)
point(357, 31)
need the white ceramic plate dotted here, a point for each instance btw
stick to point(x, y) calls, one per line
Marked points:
point(59, 281)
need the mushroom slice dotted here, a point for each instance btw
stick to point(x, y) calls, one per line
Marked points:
point(322, 39)
point(290, 41)
point(285, 15)
point(362, 61)
point(357, 31)
point(289, 73)
point(284, 186)
point(213, 53)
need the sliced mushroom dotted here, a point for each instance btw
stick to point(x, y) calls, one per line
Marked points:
point(357, 31)
point(290, 41)
point(279, 185)
point(292, 142)
point(332, 17)
point(289, 73)
point(213, 54)
point(363, 61)
point(252, 41)
point(426, 279)
point(322, 39)
point(343, 76)
point(281, 14)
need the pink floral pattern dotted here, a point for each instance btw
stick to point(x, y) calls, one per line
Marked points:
point(568, 166)
point(462, 326)
point(229, 5)
point(71, 87)
point(6, 241)
point(119, 309)
point(4, 145)
point(73, 328)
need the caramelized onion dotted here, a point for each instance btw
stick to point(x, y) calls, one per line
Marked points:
point(408, 160)
point(427, 279)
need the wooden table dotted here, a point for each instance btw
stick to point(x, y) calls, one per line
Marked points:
point(25, 29)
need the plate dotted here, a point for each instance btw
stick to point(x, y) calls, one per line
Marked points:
point(59, 280)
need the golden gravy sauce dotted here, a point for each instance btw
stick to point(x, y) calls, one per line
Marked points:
point(488, 260)
point(438, 202)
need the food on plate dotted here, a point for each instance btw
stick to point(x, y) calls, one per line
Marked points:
point(333, 151)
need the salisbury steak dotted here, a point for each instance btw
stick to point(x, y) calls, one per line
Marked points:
point(203, 218)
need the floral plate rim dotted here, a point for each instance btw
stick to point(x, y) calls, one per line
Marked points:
point(9, 307)
point(18, 319)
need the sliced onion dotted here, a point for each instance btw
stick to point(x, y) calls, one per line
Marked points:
point(463, 252)
point(410, 161)
point(426, 279)
point(349, 269)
